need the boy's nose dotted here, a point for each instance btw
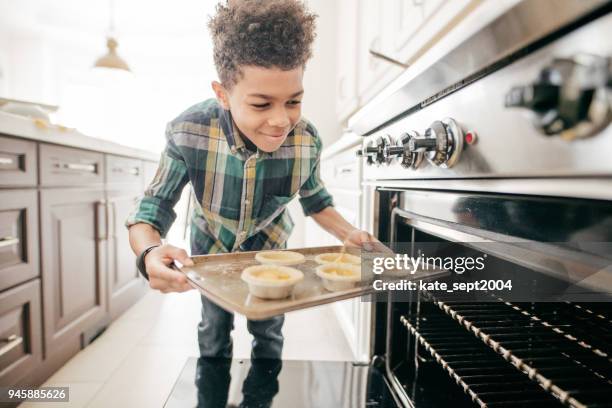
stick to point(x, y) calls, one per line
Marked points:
point(280, 120)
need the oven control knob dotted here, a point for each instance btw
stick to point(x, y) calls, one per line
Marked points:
point(382, 156)
point(410, 159)
point(570, 97)
point(369, 151)
point(441, 144)
point(392, 150)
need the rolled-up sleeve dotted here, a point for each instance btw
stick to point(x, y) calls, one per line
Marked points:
point(156, 206)
point(314, 197)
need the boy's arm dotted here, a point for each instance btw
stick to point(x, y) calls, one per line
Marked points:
point(152, 218)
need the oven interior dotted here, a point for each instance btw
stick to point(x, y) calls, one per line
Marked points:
point(441, 351)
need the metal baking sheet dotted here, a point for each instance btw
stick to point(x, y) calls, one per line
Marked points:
point(218, 278)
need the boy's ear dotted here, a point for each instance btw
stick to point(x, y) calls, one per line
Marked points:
point(221, 93)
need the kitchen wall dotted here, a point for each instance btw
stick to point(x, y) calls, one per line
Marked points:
point(47, 50)
point(47, 56)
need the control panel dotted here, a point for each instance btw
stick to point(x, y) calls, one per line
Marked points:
point(440, 144)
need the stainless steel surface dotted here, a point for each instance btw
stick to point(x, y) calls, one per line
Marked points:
point(11, 342)
point(508, 146)
point(565, 264)
point(595, 188)
point(570, 98)
point(8, 241)
point(520, 26)
point(89, 168)
point(442, 143)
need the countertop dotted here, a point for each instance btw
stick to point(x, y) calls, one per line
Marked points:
point(346, 141)
point(41, 131)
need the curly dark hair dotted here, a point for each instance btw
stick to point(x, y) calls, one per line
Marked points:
point(264, 33)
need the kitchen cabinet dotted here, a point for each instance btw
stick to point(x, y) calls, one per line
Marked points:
point(374, 34)
point(346, 59)
point(342, 173)
point(20, 332)
point(18, 237)
point(124, 187)
point(66, 266)
point(403, 30)
point(18, 166)
point(73, 249)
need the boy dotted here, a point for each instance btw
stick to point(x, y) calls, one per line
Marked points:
point(246, 153)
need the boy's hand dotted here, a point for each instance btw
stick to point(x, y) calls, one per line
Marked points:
point(161, 276)
point(365, 240)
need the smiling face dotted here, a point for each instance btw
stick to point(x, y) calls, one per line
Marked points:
point(265, 104)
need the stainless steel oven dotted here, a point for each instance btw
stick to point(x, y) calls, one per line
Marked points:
point(501, 148)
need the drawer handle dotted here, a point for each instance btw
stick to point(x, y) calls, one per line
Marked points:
point(11, 341)
point(6, 160)
point(346, 170)
point(89, 168)
point(8, 241)
point(135, 171)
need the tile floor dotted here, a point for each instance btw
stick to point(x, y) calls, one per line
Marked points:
point(136, 361)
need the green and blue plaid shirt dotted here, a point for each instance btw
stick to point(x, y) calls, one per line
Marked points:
point(241, 195)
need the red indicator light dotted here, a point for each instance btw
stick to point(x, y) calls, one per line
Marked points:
point(470, 137)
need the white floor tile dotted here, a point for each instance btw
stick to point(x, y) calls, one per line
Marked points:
point(136, 361)
point(145, 378)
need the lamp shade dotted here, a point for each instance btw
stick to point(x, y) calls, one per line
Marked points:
point(111, 59)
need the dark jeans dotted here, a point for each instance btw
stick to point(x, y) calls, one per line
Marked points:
point(214, 333)
point(259, 388)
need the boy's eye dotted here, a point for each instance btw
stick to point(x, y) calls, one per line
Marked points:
point(296, 102)
point(260, 105)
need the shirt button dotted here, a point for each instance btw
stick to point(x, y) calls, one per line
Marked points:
point(247, 201)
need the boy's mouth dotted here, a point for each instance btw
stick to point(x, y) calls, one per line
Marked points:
point(277, 135)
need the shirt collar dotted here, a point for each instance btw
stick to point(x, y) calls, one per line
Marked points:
point(232, 134)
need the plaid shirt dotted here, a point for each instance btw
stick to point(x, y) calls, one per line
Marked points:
point(241, 195)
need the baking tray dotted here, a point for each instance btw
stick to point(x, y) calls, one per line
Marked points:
point(218, 278)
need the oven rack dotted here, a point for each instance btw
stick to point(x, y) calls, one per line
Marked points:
point(530, 345)
point(576, 322)
point(483, 375)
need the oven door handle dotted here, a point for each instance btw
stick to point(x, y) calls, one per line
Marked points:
point(566, 264)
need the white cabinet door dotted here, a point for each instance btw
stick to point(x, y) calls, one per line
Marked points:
point(405, 18)
point(421, 24)
point(376, 34)
point(346, 59)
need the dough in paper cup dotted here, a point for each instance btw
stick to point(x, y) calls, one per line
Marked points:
point(283, 258)
point(339, 276)
point(271, 281)
point(337, 257)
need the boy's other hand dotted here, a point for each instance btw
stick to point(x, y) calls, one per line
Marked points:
point(366, 241)
point(161, 276)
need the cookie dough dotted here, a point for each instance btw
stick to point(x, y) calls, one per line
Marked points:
point(337, 257)
point(279, 258)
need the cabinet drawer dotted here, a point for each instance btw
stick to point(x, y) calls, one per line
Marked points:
point(20, 333)
point(343, 170)
point(65, 166)
point(17, 162)
point(18, 236)
point(123, 170)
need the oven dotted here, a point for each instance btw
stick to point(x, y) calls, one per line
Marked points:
point(500, 151)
